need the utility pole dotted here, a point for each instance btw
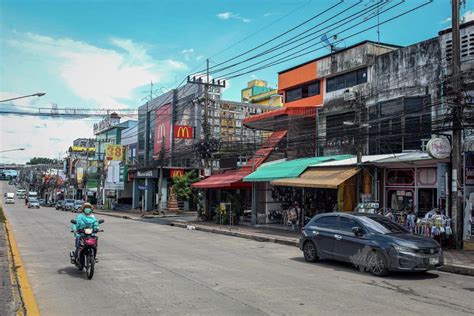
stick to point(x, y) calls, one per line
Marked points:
point(456, 161)
point(205, 124)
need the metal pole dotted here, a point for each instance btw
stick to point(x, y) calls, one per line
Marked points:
point(456, 167)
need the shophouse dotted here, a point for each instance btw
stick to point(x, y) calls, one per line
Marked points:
point(377, 99)
point(171, 139)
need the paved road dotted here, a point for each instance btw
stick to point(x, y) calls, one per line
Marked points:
point(150, 269)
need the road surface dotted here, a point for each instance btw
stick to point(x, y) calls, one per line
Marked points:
point(151, 269)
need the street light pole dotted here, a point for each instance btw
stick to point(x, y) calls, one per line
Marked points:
point(38, 94)
point(4, 151)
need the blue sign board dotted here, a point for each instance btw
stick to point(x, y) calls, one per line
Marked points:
point(143, 187)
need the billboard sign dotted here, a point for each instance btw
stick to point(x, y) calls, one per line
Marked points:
point(183, 132)
point(162, 128)
point(114, 152)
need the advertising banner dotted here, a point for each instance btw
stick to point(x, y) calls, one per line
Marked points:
point(162, 129)
point(114, 152)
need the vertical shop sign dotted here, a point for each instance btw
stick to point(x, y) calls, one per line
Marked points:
point(468, 195)
point(162, 129)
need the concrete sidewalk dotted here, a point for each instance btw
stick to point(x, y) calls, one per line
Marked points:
point(136, 215)
point(460, 262)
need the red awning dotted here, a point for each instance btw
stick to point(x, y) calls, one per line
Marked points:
point(231, 179)
point(273, 119)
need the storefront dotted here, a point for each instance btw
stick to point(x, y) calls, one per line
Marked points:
point(414, 194)
point(273, 203)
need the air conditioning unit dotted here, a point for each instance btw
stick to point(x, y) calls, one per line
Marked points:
point(350, 95)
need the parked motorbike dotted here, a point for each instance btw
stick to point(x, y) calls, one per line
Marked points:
point(85, 258)
point(275, 215)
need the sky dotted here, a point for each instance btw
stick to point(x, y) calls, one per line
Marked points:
point(105, 53)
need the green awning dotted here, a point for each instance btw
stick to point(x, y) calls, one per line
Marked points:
point(288, 169)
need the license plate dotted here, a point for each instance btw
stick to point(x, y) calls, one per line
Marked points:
point(434, 261)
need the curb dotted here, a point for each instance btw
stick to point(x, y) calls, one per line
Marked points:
point(17, 266)
point(456, 269)
point(114, 215)
point(256, 237)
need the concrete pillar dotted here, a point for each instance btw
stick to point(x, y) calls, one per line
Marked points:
point(135, 194)
point(254, 219)
point(149, 194)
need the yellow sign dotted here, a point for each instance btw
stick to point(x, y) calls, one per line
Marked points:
point(114, 152)
point(81, 149)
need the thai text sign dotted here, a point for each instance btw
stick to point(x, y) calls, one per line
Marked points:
point(185, 132)
point(114, 152)
point(439, 148)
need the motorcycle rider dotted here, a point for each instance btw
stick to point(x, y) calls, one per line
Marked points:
point(83, 220)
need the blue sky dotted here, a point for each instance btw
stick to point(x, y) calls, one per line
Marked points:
point(104, 53)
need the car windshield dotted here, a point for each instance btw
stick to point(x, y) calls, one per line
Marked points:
point(382, 225)
point(79, 202)
point(33, 201)
point(70, 201)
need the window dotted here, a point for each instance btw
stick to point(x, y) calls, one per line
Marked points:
point(346, 224)
point(303, 91)
point(399, 124)
point(294, 94)
point(346, 80)
point(314, 89)
point(327, 222)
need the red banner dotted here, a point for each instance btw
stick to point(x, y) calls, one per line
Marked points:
point(162, 129)
point(176, 173)
point(181, 131)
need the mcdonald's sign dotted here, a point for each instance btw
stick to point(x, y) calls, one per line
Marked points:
point(176, 173)
point(183, 131)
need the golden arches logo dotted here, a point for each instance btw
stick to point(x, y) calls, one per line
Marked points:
point(183, 132)
point(177, 173)
point(161, 132)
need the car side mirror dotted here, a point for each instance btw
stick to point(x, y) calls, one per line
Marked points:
point(101, 221)
point(357, 231)
point(73, 221)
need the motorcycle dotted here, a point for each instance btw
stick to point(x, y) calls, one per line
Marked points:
point(85, 258)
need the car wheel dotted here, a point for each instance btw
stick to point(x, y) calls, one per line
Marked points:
point(376, 263)
point(310, 252)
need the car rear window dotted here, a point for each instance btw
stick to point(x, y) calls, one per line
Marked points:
point(328, 222)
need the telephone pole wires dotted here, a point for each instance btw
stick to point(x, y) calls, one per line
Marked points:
point(457, 110)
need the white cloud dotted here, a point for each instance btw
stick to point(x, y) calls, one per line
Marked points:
point(224, 15)
point(468, 16)
point(230, 15)
point(104, 76)
point(447, 20)
point(49, 139)
point(188, 53)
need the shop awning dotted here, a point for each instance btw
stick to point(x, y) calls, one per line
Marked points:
point(288, 169)
point(324, 178)
point(231, 179)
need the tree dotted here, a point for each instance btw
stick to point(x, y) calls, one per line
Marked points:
point(182, 186)
point(42, 160)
